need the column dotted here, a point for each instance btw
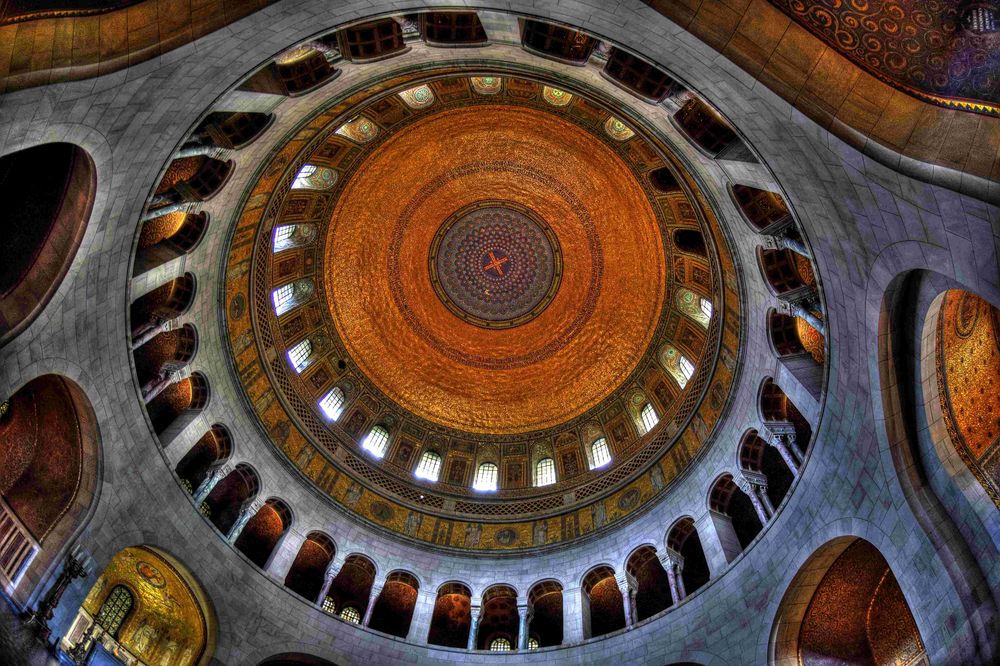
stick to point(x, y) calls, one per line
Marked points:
point(213, 478)
point(670, 560)
point(522, 627)
point(627, 587)
point(372, 598)
point(474, 627)
point(246, 513)
point(750, 490)
point(718, 540)
point(792, 244)
point(156, 387)
point(423, 614)
point(797, 310)
point(150, 333)
point(327, 581)
point(775, 436)
point(572, 615)
point(284, 555)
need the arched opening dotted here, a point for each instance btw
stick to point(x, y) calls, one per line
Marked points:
point(163, 355)
point(794, 338)
point(845, 606)
point(145, 605)
point(545, 472)
point(639, 77)
point(546, 601)
point(452, 616)
point(305, 576)
point(208, 454)
point(232, 130)
point(150, 312)
point(664, 180)
point(787, 273)
point(167, 237)
point(652, 593)
point(706, 129)
point(690, 241)
point(173, 405)
point(394, 606)
point(372, 41)
point(295, 659)
point(487, 475)
point(499, 619)
point(263, 531)
point(452, 29)
point(683, 539)
point(783, 421)
point(49, 445)
point(766, 211)
point(352, 586)
point(756, 456)
point(297, 71)
point(191, 179)
point(227, 500)
point(48, 193)
point(289, 296)
point(289, 236)
point(734, 508)
point(603, 607)
point(556, 42)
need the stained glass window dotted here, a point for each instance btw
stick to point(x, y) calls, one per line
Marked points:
point(332, 403)
point(649, 417)
point(377, 441)
point(329, 606)
point(429, 466)
point(532, 643)
point(600, 453)
point(115, 609)
point(545, 472)
point(500, 645)
point(351, 614)
point(299, 355)
point(486, 477)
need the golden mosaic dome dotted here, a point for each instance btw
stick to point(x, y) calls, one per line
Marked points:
point(459, 273)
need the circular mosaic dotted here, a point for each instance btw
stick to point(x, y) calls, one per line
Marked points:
point(495, 264)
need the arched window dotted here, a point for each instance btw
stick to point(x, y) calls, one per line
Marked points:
point(532, 643)
point(706, 307)
point(545, 472)
point(486, 477)
point(600, 453)
point(283, 236)
point(289, 236)
point(429, 466)
point(329, 606)
point(299, 355)
point(332, 403)
point(377, 441)
point(500, 645)
point(282, 297)
point(648, 417)
point(679, 366)
point(115, 609)
point(351, 614)
point(687, 368)
point(694, 306)
point(312, 177)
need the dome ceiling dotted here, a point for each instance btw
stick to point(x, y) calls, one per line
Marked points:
point(488, 268)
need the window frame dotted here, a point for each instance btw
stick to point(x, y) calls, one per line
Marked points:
point(486, 472)
point(546, 476)
point(648, 417)
point(299, 355)
point(376, 442)
point(427, 460)
point(599, 445)
point(341, 402)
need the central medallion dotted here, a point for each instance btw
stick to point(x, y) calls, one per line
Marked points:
point(495, 264)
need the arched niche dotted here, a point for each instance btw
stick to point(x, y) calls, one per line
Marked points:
point(799, 347)
point(845, 606)
point(556, 42)
point(603, 606)
point(50, 449)
point(352, 586)
point(452, 29)
point(710, 133)
point(229, 497)
point(167, 237)
point(372, 41)
point(263, 531)
point(48, 193)
point(755, 455)
point(546, 601)
point(652, 593)
point(232, 130)
point(498, 618)
point(452, 616)
point(165, 353)
point(683, 539)
point(735, 519)
point(148, 604)
point(176, 404)
point(297, 71)
point(305, 576)
point(192, 179)
point(766, 211)
point(690, 241)
point(788, 274)
point(782, 419)
point(643, 79)
point(212, 450)
point(151, 312)
point(394, 606)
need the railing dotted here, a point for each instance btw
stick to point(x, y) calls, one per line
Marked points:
point(17, 547)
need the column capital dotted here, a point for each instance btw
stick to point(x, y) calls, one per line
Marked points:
point(671, 558)
point(756, 479)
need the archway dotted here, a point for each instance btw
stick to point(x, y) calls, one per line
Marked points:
point(757, 457)
point(682, 538)
point(263, 531)
point(653, 587)
point(305, 576)
point(452, 617)
point(499, 617)
point(351, 588)
point(49, 445)
point(393, 610)
point(603, 606)
point(48, 193)
point(229, 498)
point(845, 606)
point(735, 517)
point(546, 601)
point(208, 454)
point(144, 606)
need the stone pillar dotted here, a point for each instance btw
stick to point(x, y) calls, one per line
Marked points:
point(474, 627)
point(718, 540)
point(750, 489)
point(673, 563)
point(372, 598)
point(327, 581)
point(797, 308)
point(524, 617)
point(285, 552)
point(423, 614)
point(151, 332)
point(246, 513)
point(208, 485)
point(157, 386)
point(782, 436)
point(572, 615)
point(793, 244)
point(627, 586)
